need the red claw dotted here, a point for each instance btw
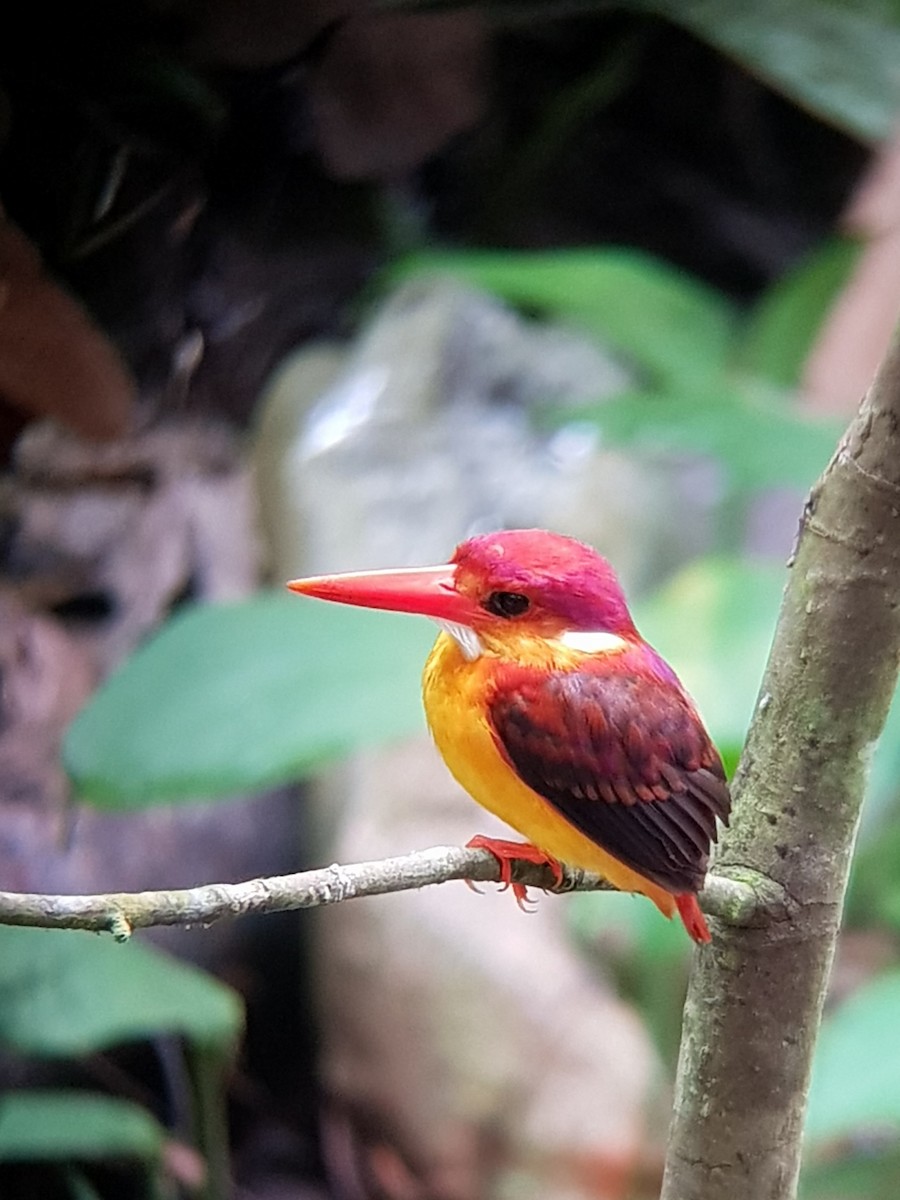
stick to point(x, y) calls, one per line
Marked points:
point(506, 853)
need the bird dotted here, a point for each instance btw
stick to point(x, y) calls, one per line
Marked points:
point(552, 712)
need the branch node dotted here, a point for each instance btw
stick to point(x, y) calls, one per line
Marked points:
point(340, 885)
point(119, 926)
point(744, 897)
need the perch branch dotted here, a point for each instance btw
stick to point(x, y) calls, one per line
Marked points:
point(119, 913)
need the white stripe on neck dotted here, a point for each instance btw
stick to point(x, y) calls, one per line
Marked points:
point(598, 641)
point(465, 637)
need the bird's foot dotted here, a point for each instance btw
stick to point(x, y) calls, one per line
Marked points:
point(506, 853)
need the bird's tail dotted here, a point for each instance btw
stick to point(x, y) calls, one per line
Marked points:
point(693, 918)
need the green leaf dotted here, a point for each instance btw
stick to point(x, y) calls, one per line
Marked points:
point(59, 1126)
point(874, 892)
point(856, 1077)
point(884, 781)
point(673, 327)
point(836, 58)
point(239, 697)
point(783, 327)
point(871, 1174)
point(67, 993)
point(760, 443)
point(839, 60)
point(714, 623)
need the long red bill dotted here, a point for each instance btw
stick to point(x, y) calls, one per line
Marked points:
point(427, 591)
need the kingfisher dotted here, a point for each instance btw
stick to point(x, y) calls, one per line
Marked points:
point(553, 713)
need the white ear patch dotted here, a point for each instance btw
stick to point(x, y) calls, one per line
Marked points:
point(592, 641)
point(465, 637)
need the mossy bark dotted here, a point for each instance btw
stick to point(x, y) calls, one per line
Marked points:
point(755, 996)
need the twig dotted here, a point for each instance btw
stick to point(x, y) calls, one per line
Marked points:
point(121, 912)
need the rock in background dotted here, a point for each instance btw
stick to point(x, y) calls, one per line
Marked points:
point(428, 429)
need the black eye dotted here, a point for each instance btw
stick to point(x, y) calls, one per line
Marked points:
point(507, 604)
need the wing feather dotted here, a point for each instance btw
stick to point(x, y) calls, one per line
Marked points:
point(625, 759)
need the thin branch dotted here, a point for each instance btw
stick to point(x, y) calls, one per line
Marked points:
point(121, 912)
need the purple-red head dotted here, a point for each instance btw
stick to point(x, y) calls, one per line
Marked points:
point(527, 577)
point(561, 583)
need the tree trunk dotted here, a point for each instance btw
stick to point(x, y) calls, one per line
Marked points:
point(755, 996)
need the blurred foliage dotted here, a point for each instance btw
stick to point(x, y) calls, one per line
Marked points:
point(714, 385)
point(76, 1125)
point(782, 327)
point(679, 332)
point(853, 1123)
point(871, 1174)
point(71, 995)
point(231, 698)
point(836, 58)
point(675, 329)
point(757, 440)
point(874, 894)
point(856, 1084)
point(715, 620)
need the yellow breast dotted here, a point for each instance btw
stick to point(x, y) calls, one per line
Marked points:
point(455, 695)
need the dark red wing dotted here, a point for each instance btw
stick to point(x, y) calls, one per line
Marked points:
point(625, 759)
